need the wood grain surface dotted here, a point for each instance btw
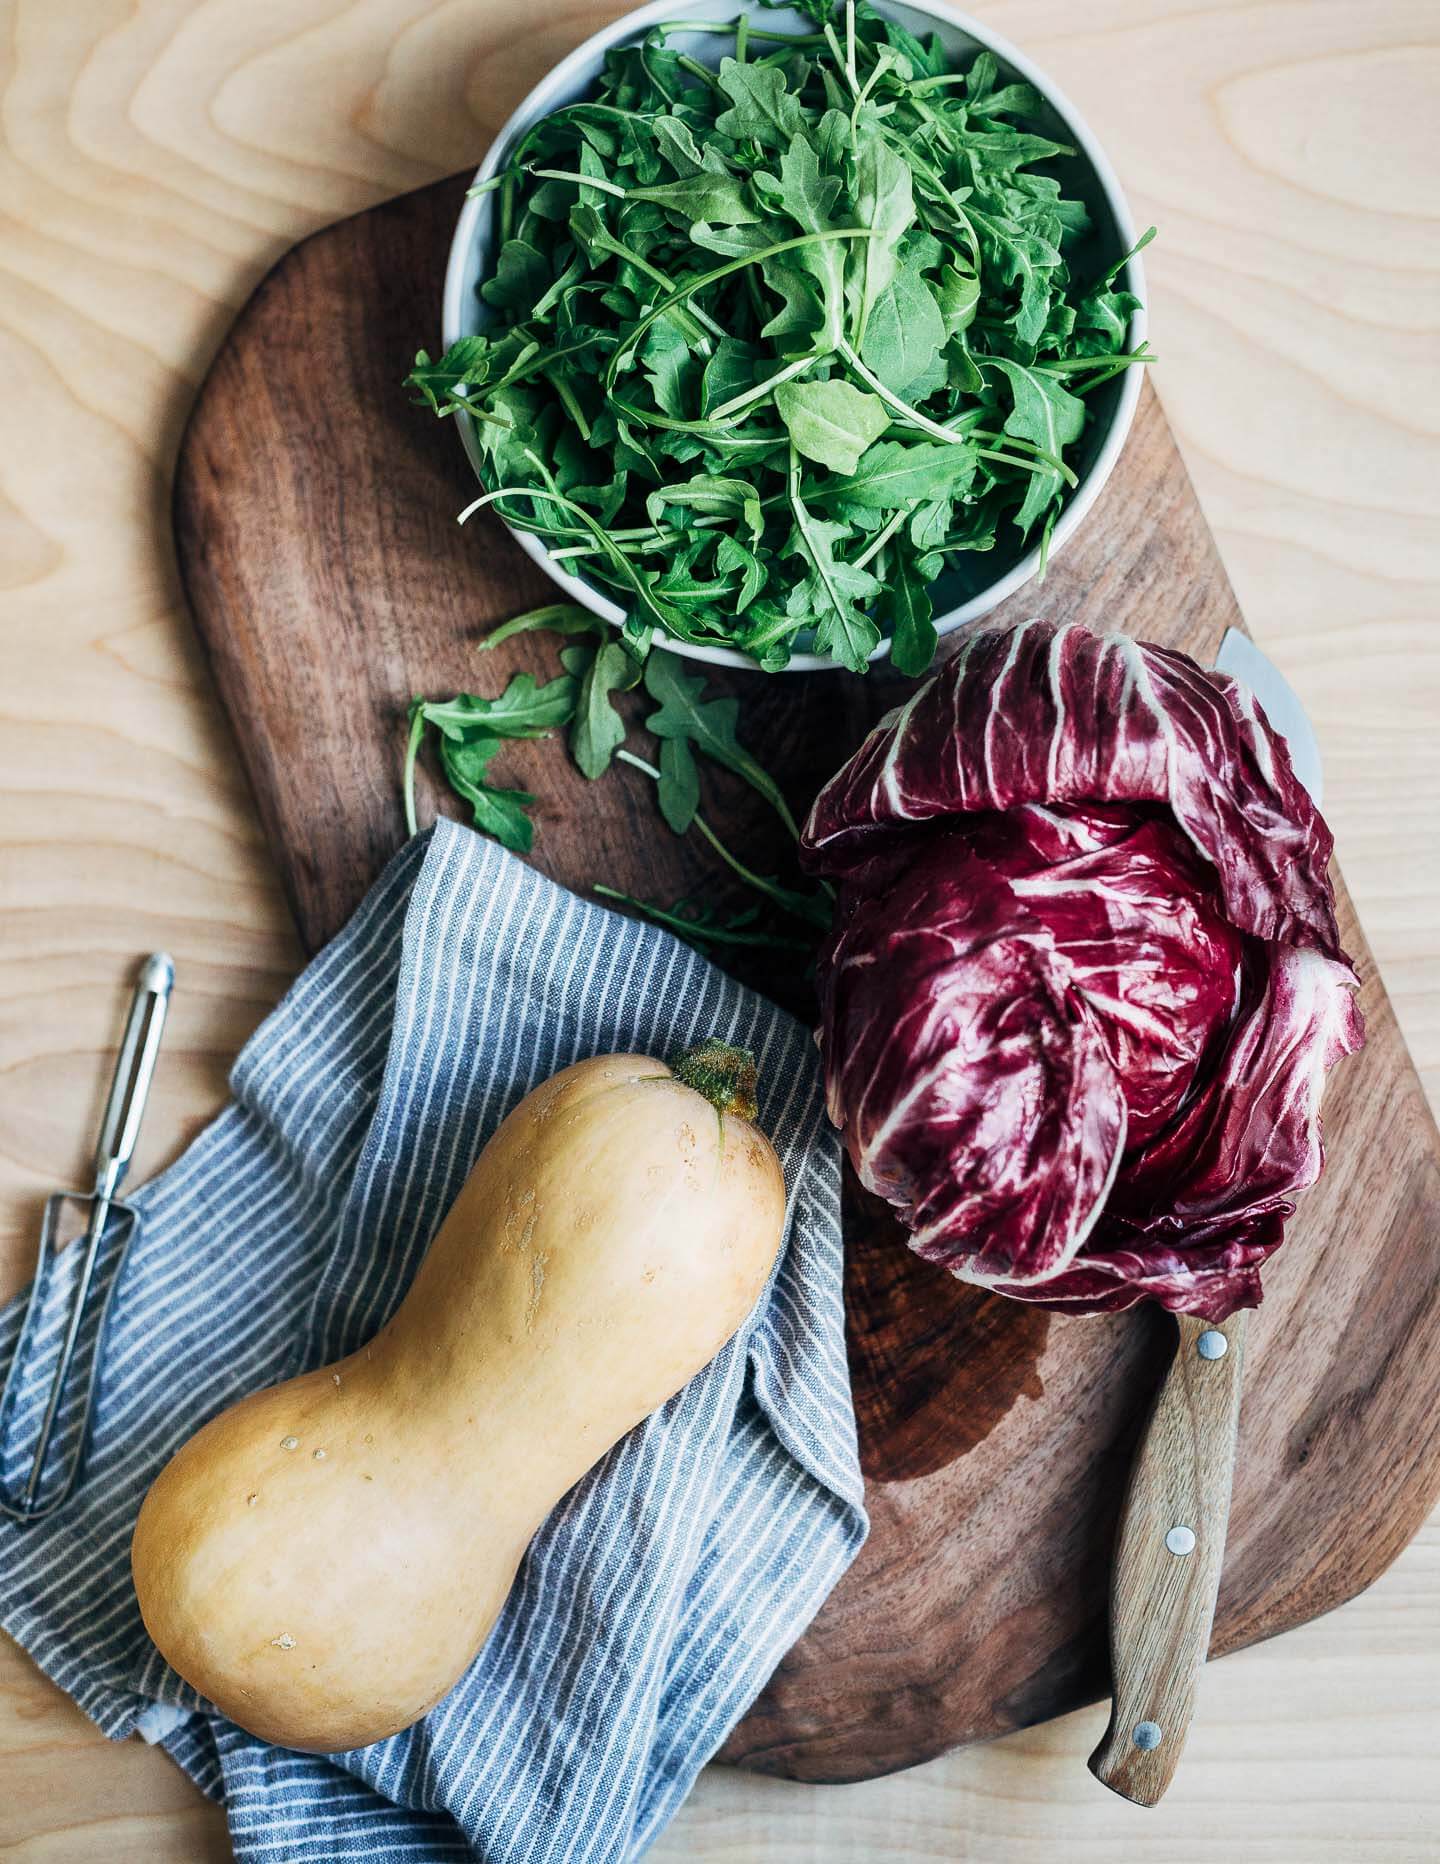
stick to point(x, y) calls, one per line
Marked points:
point(330, 582)
point(155, 160)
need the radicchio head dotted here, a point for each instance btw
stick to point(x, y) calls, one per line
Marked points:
point(1085, 980)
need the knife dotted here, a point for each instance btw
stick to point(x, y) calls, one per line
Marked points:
point(1171, 1540)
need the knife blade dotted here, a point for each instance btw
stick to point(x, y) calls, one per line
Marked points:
point(1243, 660)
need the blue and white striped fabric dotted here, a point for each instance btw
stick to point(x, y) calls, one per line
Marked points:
point(661, 1593)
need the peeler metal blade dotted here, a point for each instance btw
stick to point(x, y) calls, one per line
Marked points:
point(119, 1131)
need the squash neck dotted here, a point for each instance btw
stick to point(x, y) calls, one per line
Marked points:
point(722, 1074)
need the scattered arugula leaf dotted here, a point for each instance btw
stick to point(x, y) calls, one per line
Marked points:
point(597, 730)
point(556, 618)
point(470, 729)
point(500, 813)
point(836, 249)
point(685, 715)
point(679, 791)
point(523, 710)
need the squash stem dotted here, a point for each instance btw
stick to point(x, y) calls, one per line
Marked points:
point(725, 1075)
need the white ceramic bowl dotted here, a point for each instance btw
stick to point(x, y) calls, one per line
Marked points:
point(1090, 177)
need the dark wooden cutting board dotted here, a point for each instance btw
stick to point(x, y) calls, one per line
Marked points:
point(315, 525)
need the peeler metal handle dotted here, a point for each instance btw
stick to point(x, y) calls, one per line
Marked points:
point(134, 1071)
point(119, 1130)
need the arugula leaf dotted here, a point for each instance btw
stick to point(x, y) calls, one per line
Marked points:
point(677, 145)
point(500, 813)
point(667, 361)
point(598, 730)
point(959, 299)
point(730, 371)
point(679, 792)
point(520, 277)
point(894, 474)
point(930, 524)
point(833, 592)
point(809, 196)
point(731, 556)
point(712, 193)
point(734, 498)
point(884, 201)
point(761, 108)
point(706, 724)
point(523, 710)
point(467, 363)
point(555, 618)
point(904, 337)
point(831, 422)
point(1046, 413)
point(908, 614)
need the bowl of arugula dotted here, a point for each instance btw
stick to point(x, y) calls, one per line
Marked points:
point(792, 337)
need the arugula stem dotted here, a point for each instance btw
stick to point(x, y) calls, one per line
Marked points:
point(695, 931)
point(820, 563)
point(646, 417)
point(881, 538)
point(566, 551)
point(582, 181)
point(802, 906)
point(697, 70)
point(1042, 461)
point(882, 65)
point(507, 208)
point(893, 401)
point(572, 407)
point(808, 39)
point(462, 404)
point(1039, 463)
point(1124, 363)
point(762, 390)
point(412, 751)
point(832, 40)
point(643, 537)
point(617, 560)
point(1076, 365)
point(1124, 260)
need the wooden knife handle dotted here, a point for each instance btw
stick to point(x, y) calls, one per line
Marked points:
point(1168, 1555)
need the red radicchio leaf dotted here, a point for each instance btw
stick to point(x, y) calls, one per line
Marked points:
point(1085, 980)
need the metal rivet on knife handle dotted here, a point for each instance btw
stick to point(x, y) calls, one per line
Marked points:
point(1212, 1344)
point(1180, 1541)
point(1147, 1735)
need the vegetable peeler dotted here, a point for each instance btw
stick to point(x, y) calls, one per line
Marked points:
point(119, 1130)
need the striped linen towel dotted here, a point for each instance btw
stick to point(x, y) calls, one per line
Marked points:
point(661, 1593)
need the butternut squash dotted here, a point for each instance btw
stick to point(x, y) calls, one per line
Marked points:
point(326, 1558)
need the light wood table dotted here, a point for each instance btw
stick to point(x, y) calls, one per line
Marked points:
point(154, 160)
